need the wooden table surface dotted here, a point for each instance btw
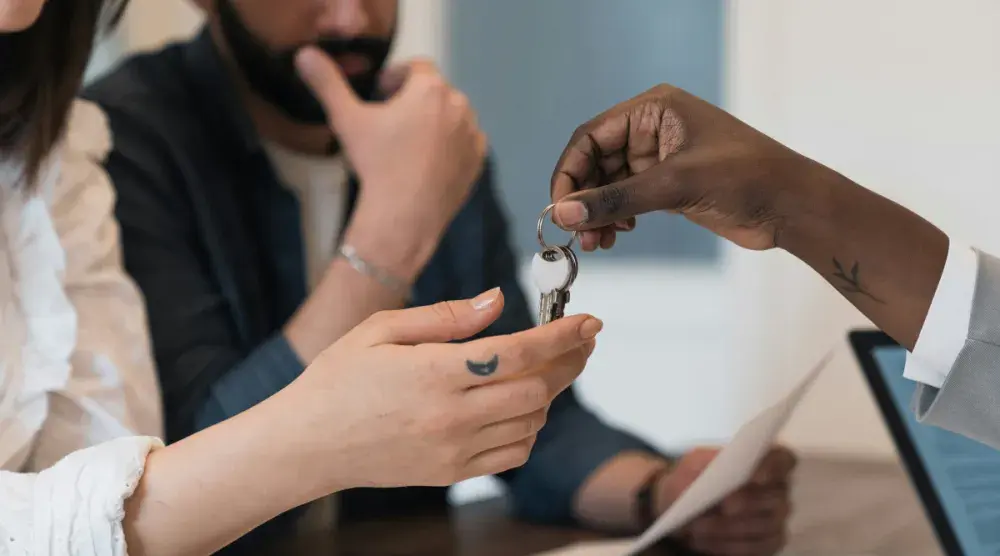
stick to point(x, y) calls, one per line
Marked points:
point(842, 508)
point(477, 529)
point(848, 508)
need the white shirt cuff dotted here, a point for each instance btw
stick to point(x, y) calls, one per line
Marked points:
point(76, 506)
point(946, 326)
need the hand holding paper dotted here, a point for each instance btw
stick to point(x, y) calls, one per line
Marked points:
point(751, 520)
point(731, 469)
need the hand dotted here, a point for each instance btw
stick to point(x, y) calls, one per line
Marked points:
point(417, 156)
point(392, 404)
point(749, 522)
point(669, 150)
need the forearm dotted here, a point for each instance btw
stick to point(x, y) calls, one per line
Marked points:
point(881, 257)
point(200, 494)
point(608, 499)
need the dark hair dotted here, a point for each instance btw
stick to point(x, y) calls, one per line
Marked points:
point(41, 69)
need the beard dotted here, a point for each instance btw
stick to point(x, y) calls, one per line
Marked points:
point(271, 73)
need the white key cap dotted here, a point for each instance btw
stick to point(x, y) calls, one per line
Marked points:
point(550, 275)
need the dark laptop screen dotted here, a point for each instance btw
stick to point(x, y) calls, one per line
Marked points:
point(964, 474)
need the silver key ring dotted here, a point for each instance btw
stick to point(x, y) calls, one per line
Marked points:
point(541, 222)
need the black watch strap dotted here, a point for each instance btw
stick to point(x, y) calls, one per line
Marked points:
point(646, 498)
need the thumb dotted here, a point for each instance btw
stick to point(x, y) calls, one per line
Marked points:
point(658, 188)
point(328, 83)
point(438, 323)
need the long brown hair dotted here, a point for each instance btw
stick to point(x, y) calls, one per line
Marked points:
point(41, 69)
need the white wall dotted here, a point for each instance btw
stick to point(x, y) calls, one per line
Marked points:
point(899, 95)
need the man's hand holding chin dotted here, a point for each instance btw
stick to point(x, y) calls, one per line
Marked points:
point(417, 156)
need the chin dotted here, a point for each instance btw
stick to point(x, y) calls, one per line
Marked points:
point(18, 15)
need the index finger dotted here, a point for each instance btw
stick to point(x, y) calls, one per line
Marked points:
point(328, 83)
point(503, 357)
point(579, 164)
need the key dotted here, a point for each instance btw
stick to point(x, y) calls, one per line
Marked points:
point(553, 271)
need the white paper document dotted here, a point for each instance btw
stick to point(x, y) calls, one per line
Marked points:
point(731, 469)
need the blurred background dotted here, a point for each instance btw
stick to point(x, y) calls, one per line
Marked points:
point(900, 95)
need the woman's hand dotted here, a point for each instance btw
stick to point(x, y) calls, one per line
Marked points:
point(389, 404)
point(392, 404)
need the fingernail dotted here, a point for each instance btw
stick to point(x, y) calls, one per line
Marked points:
point(571, 213)
point(305, 61)
point(486, 300)
point(590, 328)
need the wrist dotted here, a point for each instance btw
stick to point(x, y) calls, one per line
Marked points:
point(667, 489)
point(394, 246)
point(807, 208)
point(298, 431)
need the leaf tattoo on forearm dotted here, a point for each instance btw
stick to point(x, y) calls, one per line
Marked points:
point(850, 282)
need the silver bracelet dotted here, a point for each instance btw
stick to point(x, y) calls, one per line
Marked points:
point(350, 254)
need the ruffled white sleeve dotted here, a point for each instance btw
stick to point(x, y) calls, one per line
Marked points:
point(76, 507)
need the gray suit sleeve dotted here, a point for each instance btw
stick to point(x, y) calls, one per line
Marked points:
point(969, 400)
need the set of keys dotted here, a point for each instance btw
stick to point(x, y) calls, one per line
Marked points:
point(553, 270)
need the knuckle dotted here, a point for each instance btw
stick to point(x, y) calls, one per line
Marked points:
point(430, 84)
point(647, 118)
point(613, 200)
point(460, 101)
point(518, 354)
point(425, 65)
point(450, 467)
point(434, 80)
point(534, 393)
point(379, 319)
point(579, 133)
point(538, 421)
point(663, 91)
point(378, 324)
point(442, 423)
point(445, 312)
point(521, 452)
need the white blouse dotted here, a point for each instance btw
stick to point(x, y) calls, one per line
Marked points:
point(75, 364)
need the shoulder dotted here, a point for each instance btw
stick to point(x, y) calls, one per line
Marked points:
point(87, 134)
point(145, 99)
point(77, 188)
point(149, 107)
point(144, 78)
